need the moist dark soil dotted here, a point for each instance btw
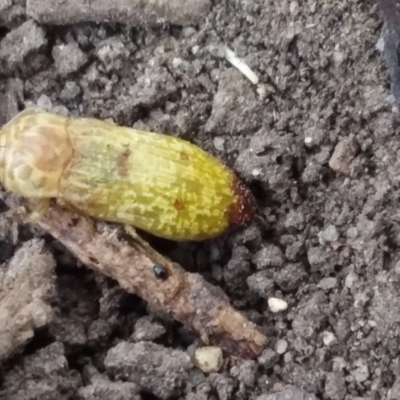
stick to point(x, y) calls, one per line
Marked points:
point(316, 141)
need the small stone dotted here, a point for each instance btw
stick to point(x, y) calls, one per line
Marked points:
point(44, 102)
point(281, 346)
point(327, 283)
point(328, 338)
point(177, 62)
point(329, 235)
point(352, 232)
point(256, 172)
point(308, 140)
point(208, 359)
point(338, 58)
point(68, 58)
point(380, 44)
point(219, 143)
point(277, 305)
point(268, 358)
point(343, 154)
point(351, 278)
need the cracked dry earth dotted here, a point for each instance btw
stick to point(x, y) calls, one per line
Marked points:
point(317, 140)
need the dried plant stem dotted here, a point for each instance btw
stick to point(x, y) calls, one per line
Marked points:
point(187, 297)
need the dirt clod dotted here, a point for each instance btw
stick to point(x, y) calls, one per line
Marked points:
point(154, 368)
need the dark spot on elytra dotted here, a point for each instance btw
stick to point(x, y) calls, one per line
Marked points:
point(179, 205)
point(184, 156)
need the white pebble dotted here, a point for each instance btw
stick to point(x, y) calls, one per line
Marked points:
point(208, 359)
point(281, 346)
point(308, 140)
point(256, 172)
point(277, 305)
point(328, 338)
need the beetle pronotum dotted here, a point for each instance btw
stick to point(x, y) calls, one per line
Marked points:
point(158, 183)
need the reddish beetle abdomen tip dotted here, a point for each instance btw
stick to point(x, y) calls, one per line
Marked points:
point(242, 211)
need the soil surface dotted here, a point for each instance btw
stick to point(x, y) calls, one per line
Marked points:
point(316, 141)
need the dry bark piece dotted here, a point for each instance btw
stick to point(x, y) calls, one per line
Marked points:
point(24, 287)
point(133, 12)
point(186, 297)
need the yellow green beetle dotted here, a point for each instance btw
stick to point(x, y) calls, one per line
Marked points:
point(158, 183)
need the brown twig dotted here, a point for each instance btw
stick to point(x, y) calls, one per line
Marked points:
point(185, 296)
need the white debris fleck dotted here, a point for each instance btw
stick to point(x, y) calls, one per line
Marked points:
point(281, 346)
point(380, 44)
point(208, 359)
point(308, 140)
point(277, 305)
point(328, 338)
point(256, 172)
point(240, 65)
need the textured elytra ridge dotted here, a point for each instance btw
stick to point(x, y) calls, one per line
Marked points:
point(158, 183)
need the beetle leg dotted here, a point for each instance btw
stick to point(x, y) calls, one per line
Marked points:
point(143, 246)
point(39, 208)
point(131, 231)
